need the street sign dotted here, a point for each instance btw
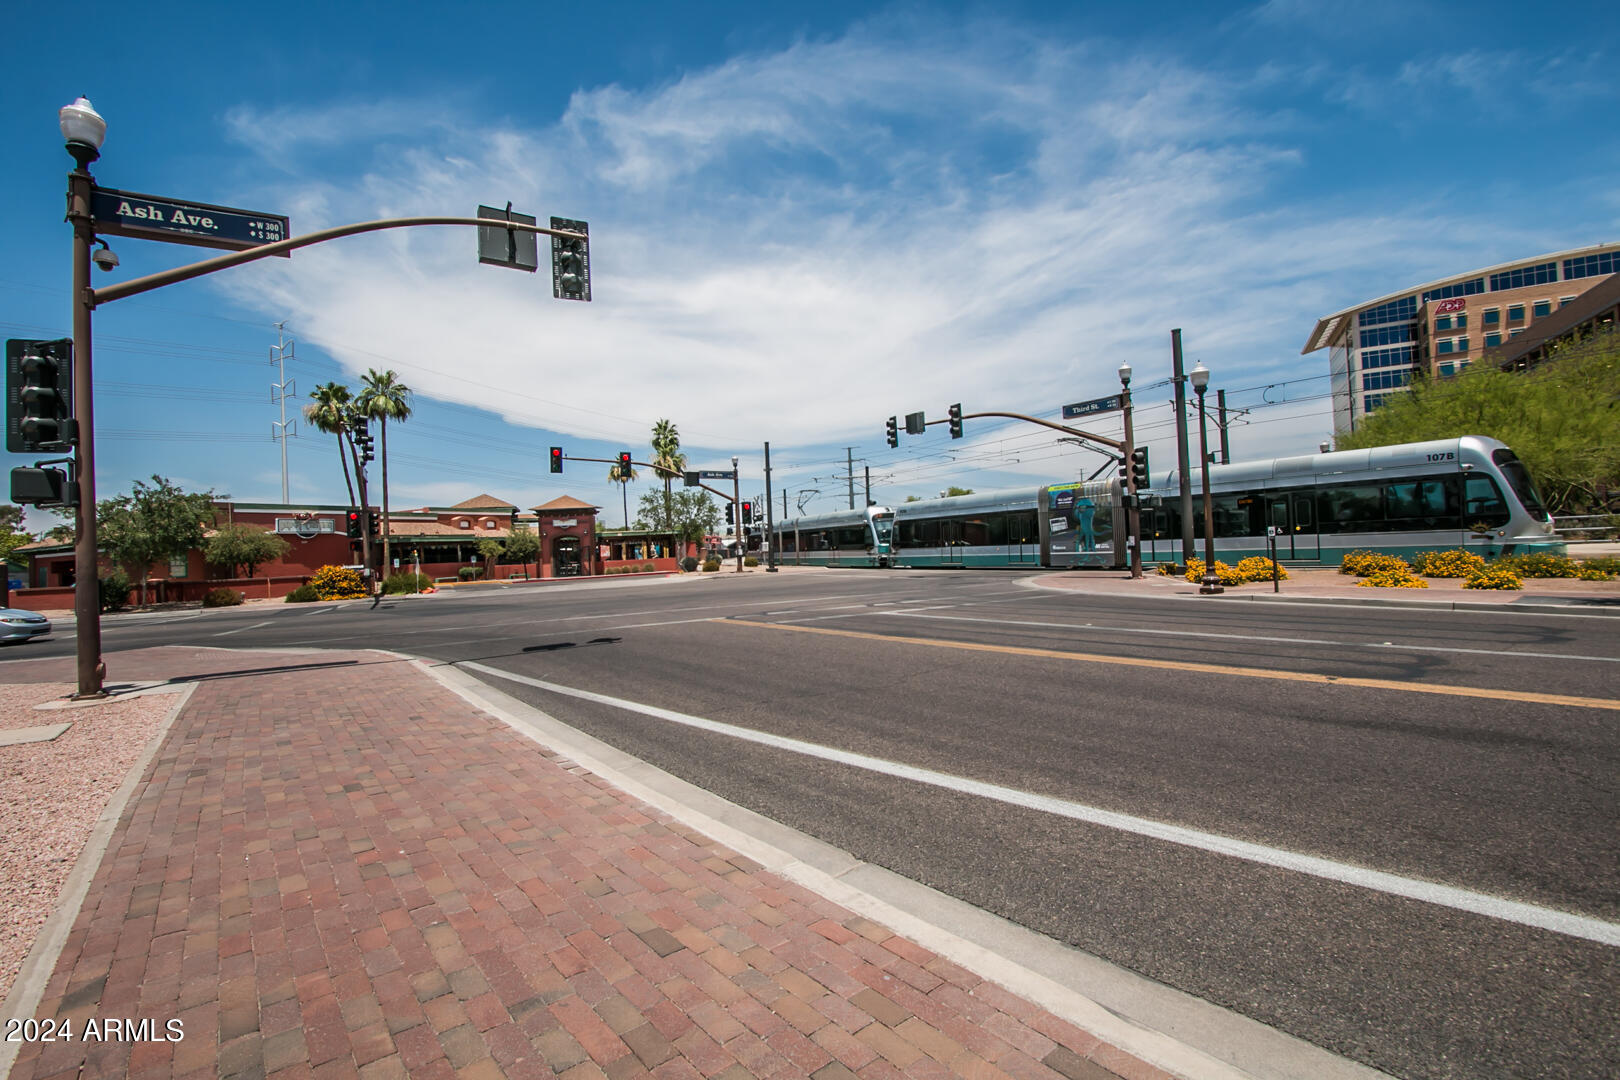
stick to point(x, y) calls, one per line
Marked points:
point(916, 423)
point(152, 217)
point(508, 247)
point(1094, 406)
point(710, 474)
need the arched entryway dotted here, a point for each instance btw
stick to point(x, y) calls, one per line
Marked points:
point(565, 557)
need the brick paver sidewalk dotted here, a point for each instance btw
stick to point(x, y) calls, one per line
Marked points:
point(347, 870)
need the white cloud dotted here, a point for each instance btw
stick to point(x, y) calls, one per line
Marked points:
point(792, 246)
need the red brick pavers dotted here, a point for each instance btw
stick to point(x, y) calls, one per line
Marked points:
point(349, 871)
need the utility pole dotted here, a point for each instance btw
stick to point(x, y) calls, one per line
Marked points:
point(770, 539)
point(869, 485)
point(1220, 405)
point(1183, 455)
point(736, 513)
point(278, 396)
point(849, 457)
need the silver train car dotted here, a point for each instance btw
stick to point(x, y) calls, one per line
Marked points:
point(1470, 492)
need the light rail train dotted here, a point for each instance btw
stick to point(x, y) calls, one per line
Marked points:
point(1470, 492)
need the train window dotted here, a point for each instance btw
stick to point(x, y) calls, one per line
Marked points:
point(1232, 519)
point(1518, 478)
point(1422, 504)
point(1483, 503)
point(1351, 509)
point(918, 533)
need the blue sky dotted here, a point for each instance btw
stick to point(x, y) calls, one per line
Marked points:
point(804, 219)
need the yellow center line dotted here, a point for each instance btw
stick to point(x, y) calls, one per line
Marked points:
point(1212, 669)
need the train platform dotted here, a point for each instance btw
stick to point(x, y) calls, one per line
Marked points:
point(339, 864)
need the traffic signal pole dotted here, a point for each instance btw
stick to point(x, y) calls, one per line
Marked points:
point(92, 670)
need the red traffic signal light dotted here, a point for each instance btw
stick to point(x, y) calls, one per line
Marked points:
point(624, 463)
point(556, 459)
point(354, 525)
point(748, 513)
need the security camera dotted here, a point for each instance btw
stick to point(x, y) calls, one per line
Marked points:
point(105, 257)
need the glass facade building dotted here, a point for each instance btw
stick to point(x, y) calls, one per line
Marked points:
point(1377, 348)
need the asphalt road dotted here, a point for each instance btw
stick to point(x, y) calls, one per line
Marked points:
point(1082, 765)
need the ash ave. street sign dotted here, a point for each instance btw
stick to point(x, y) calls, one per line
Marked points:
point(152, 217)
point(1096, 405)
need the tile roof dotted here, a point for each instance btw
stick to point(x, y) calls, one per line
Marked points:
point(485, 502)
point(564, 502)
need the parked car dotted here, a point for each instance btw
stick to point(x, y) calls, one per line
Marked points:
point(19, 625)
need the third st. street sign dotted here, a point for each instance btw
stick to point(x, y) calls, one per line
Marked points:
point(1094, 406)
point(151, 217)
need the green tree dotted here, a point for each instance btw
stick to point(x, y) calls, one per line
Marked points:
point(329, 413)
point(11, 518)
point(689, 514)
point(62, 534)
point(668, 461)
point(622, 475)
point(1562, 418)
point(152, 523)
point(384, 398)
point(243, 547)
point(490, 551)
point(523, 545)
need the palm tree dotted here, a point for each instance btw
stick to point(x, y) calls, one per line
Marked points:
point(623, 476)
point(667, 462)
point(385, 398)
point(329, 413)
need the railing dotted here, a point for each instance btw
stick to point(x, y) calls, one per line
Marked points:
point(1588, 527)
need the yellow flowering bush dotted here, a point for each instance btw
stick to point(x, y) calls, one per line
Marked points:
point(1258, 568)
point(1447, 564)
point(1494, 577)
point(1539, 564)
point(1592, 573)
point(1168, 569)
point(1393, 579)
point(1366, 563)
point(337, 583)
point(1228, 575)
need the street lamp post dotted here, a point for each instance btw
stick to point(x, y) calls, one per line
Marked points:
point(1212, 581)
point(736, 513)
point(84, 129)
point(1133, 513)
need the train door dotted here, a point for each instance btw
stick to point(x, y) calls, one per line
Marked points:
point(1294, 515)
point(951, 539)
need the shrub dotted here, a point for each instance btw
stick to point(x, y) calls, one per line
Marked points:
point(689, 563)
point(1603, 564)
point(467, 573)
point(1393, 579)
point(222, 598)
point(749, 560)
point(1588, 572)
point(1258, 568)
point(711, 564)
point(1170, 569)
point(1539, 564)
point(1494, 577)
point(1447, 564)
point(304, 594)
point(337, 583)
point(1366, 563)
point(1227, 575)
point(405, 581)
point(113, 591)
point(649, 568)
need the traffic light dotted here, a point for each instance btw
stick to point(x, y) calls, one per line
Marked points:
point(362, 442)
point(748, 513)
point(893, 430)
point(956, 421)
point(372, 523)
point(556, 459)
point(731, 513)
point(624, 463)
point(39, 396)
point(353, 525)
point(571, 261)
point(1139, 468)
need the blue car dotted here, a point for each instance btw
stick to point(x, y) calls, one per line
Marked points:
point(19, 625)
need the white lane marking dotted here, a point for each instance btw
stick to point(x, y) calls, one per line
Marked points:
point(239, 629)
point(916, 613)
point(1559, 922)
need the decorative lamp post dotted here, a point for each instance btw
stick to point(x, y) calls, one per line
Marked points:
point(1133, 512)
point(84, 130)
point(736, 515)
point(1212, 581)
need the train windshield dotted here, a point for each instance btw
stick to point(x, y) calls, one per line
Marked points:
point(883, 525)
point(1518, 478)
